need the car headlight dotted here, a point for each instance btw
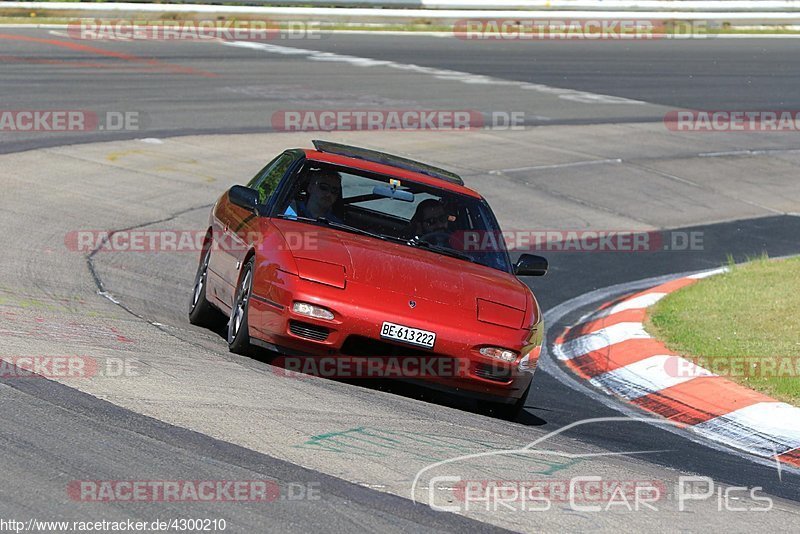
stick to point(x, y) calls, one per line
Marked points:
point(499, 354)
point(310, 310)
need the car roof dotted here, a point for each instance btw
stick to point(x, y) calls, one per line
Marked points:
point(388, 170)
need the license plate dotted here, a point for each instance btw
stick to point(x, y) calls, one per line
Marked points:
point(406, 334)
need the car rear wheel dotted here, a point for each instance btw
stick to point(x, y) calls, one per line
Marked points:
point(238, 330)
point(201, 312)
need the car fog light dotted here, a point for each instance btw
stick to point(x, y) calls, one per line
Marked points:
point(310, 310)
point(499, 354)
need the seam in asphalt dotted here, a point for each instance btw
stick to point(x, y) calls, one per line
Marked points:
point(98, 281)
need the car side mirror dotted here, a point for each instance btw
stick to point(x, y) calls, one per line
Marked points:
point(530, 265)
point(244, 197)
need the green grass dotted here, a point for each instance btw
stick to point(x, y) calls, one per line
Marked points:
point(752, 311)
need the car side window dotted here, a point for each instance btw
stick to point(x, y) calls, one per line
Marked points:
point(268, 178)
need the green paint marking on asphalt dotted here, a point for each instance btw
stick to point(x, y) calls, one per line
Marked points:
point(392, 440)
point(57, 303)
point(383, 443)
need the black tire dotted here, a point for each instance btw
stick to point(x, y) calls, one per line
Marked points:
point(238, 331)
point(201, 312)
point(510, 412)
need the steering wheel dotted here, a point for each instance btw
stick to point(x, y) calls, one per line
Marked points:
point(438, 238)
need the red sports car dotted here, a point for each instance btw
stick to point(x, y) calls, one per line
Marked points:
point(351, 262)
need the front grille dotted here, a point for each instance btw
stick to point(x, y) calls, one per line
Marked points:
point(308, 330)
point(365, 346)
point(417, 362)
point(493, 372)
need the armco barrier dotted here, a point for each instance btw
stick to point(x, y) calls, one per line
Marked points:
point(525, 5)
point(738, 14)
point(768, 10)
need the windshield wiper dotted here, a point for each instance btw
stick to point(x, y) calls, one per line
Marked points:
point(332, 224)
point(300, 218)
point(421, 243)
point(414, 241)
point(348, 228)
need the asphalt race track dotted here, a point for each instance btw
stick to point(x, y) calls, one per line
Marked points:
point(593, 154)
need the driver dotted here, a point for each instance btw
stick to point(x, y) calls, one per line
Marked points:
point(429, 218)
point(324, 189)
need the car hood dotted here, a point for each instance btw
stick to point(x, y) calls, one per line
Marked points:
point(414, 272)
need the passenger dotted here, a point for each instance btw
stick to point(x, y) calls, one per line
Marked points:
point(429, 218)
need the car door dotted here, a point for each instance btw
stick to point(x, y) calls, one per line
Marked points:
point(236, 228)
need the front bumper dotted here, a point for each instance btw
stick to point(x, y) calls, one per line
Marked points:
point(350, 346)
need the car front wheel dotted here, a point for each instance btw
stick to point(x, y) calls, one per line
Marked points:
point(510, 412)
point(238, 330)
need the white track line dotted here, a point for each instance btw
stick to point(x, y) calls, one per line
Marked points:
point(706, 274)
point(572, 95)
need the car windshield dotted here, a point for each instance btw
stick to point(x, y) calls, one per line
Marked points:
point(409, 213)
